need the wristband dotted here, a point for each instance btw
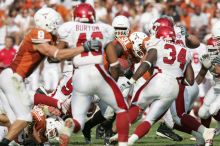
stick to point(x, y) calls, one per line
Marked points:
point(132, 81)
point(55, 53)
point(114, 64)
point(148, 63)
point(187, 83)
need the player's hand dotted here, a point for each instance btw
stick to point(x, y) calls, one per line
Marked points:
point(206, 61)
point(183, 30)
point(216, 60)
point(92, 45)
point(127, 84)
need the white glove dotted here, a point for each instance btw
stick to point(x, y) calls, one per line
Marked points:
point(206, 61)
point(127, 84)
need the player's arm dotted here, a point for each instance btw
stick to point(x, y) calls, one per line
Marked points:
point(53, 51)
point(192, 41)
point(60, 45)
point(112, 58)
point(201, 75)
point(146, 64)
point(38, 136)
point(189, 75)
point(61, 54)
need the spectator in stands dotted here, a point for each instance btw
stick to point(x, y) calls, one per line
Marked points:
point(198, 20)
point(120, 8)
point(101, 11)
point(7, 54)
point(60, 9)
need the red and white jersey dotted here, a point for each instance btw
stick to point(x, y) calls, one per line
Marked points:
point(172, 59)
point(196, 54)
point(76, 33)
point(180, 38)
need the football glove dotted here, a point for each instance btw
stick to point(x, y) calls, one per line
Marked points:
point(92, 45)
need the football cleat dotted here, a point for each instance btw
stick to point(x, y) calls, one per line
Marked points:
point(166, 132)
point(108, 134)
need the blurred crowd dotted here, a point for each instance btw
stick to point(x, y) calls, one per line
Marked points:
point(198, 16)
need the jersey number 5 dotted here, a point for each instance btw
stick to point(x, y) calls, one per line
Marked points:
point(82, 39)
point(181, 58)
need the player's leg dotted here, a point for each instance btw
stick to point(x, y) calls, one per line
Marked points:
point(110, 93)
point(13, 87)
point(204, 109)
point(160, 102)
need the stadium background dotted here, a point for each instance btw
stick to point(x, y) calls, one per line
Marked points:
point(198, 16)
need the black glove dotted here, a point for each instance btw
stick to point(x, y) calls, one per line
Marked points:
point(92, 45)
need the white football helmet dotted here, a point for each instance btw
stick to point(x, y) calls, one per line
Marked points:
point(121, 25)
point(137, 39)
point(48, 19)
point(53, 127)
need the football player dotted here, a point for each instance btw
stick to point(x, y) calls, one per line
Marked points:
point(90, 77)
point(168, 73)
point(35, 46)
point(210, 62)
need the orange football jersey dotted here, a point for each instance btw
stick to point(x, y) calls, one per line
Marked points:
point(27, 59)
point(39, 118)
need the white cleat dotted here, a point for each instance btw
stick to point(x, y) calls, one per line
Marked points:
point(208, 136)
point(113, 138)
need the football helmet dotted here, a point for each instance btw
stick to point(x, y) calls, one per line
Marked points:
point(48, 19)
point(164, 21)
point(166, 33)
point(212, 47)
point(84, 13)
point(137, 39)
point(53, 127)
point(121, 25)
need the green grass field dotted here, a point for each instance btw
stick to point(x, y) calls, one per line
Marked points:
point(150, 140)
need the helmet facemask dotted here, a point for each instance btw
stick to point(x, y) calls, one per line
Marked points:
point(120, 31)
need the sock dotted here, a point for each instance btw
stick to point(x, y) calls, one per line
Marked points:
point(95, 120)
point(217, 117)
point(132, 139)
point(44, 99)
point(206, 122)
point(182, 129)
point(77, 126)
point(108, 123)
point(133, 113)
point(201, 129)
point(190, 122)
point(122, 144)
point(122, 124)
point(142, 129)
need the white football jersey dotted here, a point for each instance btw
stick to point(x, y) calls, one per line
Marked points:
point(172, 59)
point(196, 55)
point(76, 33)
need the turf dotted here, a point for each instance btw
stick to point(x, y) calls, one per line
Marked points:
point(150, 140)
